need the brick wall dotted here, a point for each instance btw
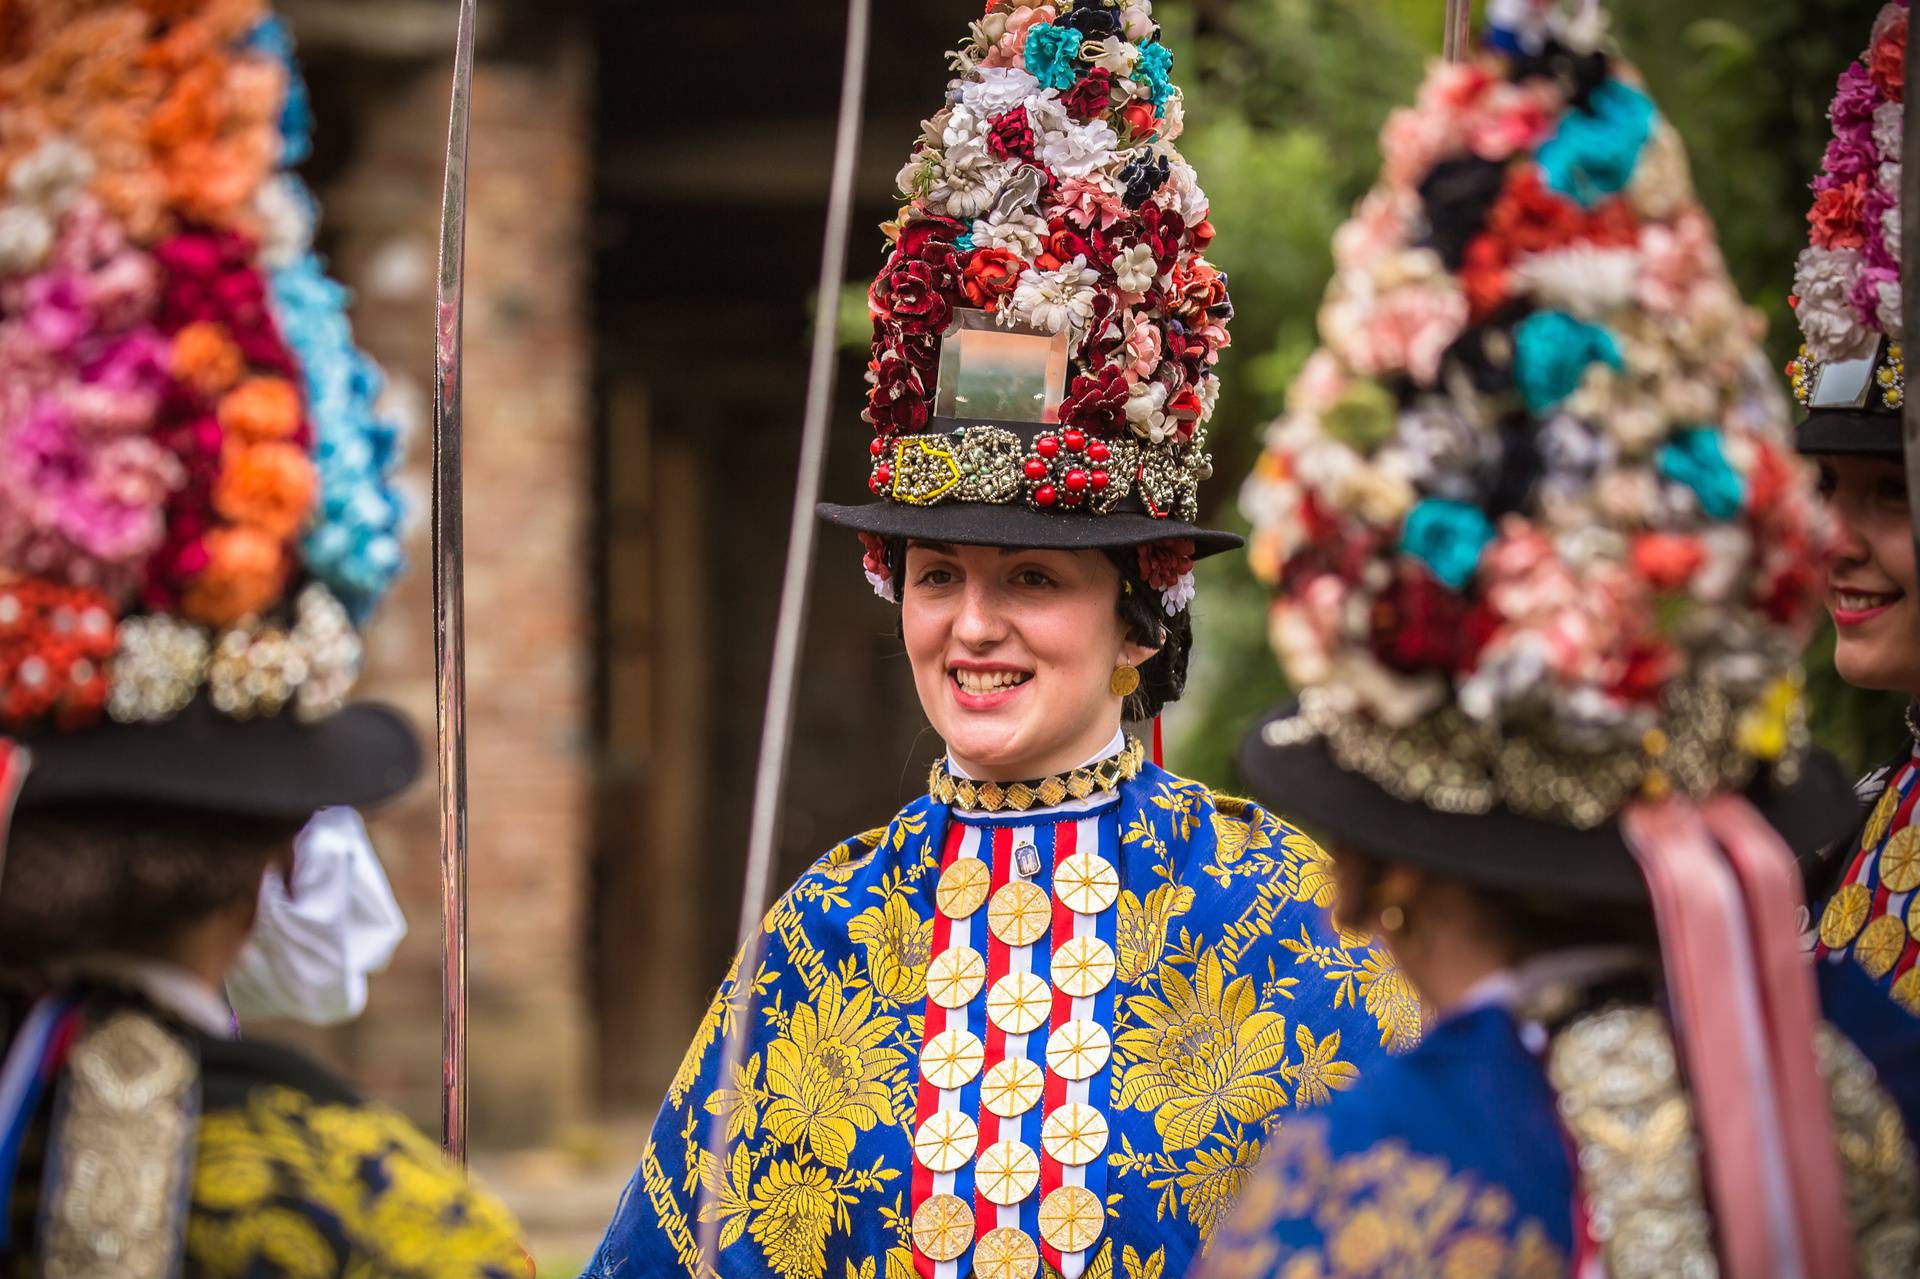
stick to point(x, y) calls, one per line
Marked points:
point(529, 649)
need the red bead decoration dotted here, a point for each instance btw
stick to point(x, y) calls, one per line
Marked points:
point(1099, 480)
point(1036, 469)
point(55, 643)
point(882, 477)
point(1076, 480)
point(878, 446)
point(1045, 495)
point(1070, 498)
point(1098, 451)
point(1074, 439)
point(1047, 446)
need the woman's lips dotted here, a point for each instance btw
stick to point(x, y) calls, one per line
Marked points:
point(981, 690)
point(1856, 608)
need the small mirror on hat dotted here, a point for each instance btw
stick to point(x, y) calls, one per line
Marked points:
point(1846, 384)
point(992, 372)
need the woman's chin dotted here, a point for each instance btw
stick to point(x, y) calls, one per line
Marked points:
point(1871, 665)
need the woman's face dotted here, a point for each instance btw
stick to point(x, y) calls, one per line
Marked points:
point(1012, 651)
point(1870, 574)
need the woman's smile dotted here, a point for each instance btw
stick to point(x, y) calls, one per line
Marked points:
point(981, 687)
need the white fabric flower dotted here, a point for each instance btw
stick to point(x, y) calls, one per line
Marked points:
point(1583, 279)
point(1179, 595)
point(286, 221)
point(1057, 301)
point(882, 585)
point(1173, 117)
point(1135, 269)
point(51, 175)
point(967, 181)
point(1079, 149)
point(1890, 228)
point(1888, 176)
point(1136, 20)
point(1146, 411)
point(1181, 192)
point(1822, 278)
point(998, 91)
point(26, 236)
point(1113, 55)
point(1022, 233)
point(1889, 127)
point(963, 124)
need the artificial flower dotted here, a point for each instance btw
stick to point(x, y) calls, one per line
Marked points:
point(1552, 352)
point(1057, 301)
point(1447, 537)
point(1696, 459)
point(1052, 54)
point(1593, 153)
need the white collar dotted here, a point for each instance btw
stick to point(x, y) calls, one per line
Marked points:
point(1065, 806)
point(1510, 988)
point(169, 987)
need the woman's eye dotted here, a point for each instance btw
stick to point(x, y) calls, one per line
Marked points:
point(1828, 481)
point(1033, 577)
point(1893, 492)
point(935, 577)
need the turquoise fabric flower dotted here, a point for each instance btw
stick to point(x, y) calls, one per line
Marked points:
point(1447, 537)
point(354, 543)
point(272, 38)
point(1594, 152)
point(964, 242)
point(1551, 353)
point(1052, 54)
point(1693, 457)
point(1155, 69)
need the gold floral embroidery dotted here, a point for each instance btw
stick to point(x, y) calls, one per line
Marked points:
point(1142, 927)
point(827, 1076)
point(1380, 1213)
point(1205, 1051)
point(291, 1187)
point(899, 942)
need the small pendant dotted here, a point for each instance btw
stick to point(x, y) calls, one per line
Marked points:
point(1026, 861)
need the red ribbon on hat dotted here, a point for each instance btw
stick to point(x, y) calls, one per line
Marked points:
point(1724, 895)
point(14, 761)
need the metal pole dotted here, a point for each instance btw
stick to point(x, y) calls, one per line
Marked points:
point(1910, 279)
point(449, 600)
point(1458, 36)
point(776, 734)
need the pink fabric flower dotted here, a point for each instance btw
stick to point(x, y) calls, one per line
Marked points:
point(1011, 49)
point(1143, 346)
point(1087, 204)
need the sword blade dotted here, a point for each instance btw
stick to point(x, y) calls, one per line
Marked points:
point(776, 732)
point(1910, 282)
point(449, 600)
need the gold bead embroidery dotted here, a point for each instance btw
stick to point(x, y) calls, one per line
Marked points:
point(943, 1227)
point(1071, 1218)
point(991, 797)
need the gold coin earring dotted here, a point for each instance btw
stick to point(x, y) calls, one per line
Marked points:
point(1125, 681)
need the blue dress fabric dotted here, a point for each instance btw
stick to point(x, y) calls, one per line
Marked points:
point(1873, 912)
point(1173, 993)
point(1451, 1161)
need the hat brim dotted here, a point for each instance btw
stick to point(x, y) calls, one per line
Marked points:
point(1503, 849)
point(269, 767)
point(1014, 525)
point(1850, 432)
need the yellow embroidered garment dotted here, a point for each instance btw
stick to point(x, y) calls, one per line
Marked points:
point(287, 1176)
point(1012, 1044)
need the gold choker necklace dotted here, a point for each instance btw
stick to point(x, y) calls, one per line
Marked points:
point(970, 796)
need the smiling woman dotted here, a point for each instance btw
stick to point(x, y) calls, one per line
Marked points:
point(1049, 1014)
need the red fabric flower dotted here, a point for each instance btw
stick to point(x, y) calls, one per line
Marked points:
point(55, 644)
point(1165, 232)
point(1647, 669)
point(909, 294)
point(1887, 60)
point(1097, 403)
point(1011, 136)
point(1197, 289)
point(1163, 564)
point(1417, 624)
point(1836, 216)
point(1667, 561)
point(990, 275)
point(898, 403)
point(1090, 96)
point(1483, 276)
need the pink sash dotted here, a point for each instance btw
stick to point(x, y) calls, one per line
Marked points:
point(1724, 897)
point(13, 775)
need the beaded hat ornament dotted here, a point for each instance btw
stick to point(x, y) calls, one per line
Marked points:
point(196, 491)
point(1046, 326)
point(1537, 533)
point(1850, 373)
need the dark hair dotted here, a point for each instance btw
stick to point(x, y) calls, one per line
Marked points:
point(1163, 677)
point(83, 877)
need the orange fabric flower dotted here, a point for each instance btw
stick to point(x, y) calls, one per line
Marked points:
point(269, 486)
point(261, 408)
point(990, 275)
point(205, 360)
point(246, 572)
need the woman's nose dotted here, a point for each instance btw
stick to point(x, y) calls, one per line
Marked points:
point(979, 623)
point(1845, 546)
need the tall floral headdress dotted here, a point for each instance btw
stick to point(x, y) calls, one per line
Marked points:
point(1532, 515)
point(1846, 284)
point(195, 485)
point(1046, 326)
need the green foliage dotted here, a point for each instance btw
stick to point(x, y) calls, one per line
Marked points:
point(1284, 101)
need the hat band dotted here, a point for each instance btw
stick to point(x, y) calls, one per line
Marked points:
point(1872, 383)
point(1705, 740)
point(1059, 469)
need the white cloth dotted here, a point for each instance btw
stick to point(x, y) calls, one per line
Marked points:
point(313, 947)
point(169, 987)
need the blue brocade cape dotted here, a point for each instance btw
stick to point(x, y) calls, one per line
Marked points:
point(1110, 1045)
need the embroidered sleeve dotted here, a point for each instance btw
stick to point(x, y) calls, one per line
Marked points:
point(840, 976)
point(288, 1187)
point(1312, 1214)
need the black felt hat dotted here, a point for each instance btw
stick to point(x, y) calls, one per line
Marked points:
point(271, 766)
point(1850, 433)
point(1503, 849)
point(1014, 525)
